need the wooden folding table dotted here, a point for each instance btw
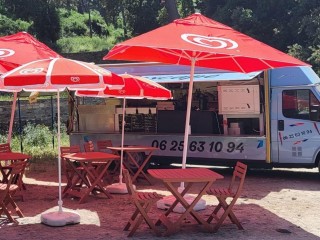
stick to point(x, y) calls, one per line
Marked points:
point(93, 179)
point(189, 176)
point(136, 149)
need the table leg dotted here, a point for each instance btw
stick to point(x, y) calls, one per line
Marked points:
point(97, 183)
point(80, 176)
point(173, 227)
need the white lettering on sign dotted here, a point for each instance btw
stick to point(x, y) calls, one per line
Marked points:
point(209, 42)
point(75, 79)
point(27, 71)
point(6, 52)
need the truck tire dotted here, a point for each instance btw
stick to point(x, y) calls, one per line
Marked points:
point(139, 157)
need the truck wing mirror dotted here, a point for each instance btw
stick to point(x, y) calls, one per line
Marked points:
point(314, 112)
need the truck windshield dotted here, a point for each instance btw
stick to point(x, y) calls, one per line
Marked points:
point(297, 103)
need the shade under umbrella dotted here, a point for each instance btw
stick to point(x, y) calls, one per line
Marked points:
point(134, 88)
point(57, 74)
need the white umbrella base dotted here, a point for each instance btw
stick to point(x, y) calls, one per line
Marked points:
point(60, 218)
point(118, 188)
point(167, 201)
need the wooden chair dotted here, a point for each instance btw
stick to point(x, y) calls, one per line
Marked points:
point(7, 191)
point(5, 147)
point(143, 202)
point(103, 145)
point(233, 191)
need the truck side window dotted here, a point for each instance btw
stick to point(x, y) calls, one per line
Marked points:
point(296, 103)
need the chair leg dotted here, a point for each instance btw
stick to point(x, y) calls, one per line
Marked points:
point(228, 212)
point(14, 205)
point(214, 214)
point(138, 216)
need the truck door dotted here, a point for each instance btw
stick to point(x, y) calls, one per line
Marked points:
point(297, 136)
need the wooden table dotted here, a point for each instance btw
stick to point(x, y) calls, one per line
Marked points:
point(7, 158)
point(189, 176)
point(93, 165)
point(136, 149)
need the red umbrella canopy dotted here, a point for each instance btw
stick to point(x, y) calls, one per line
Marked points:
point(134, 87)
point(58, 74)
point(21, 48)
point(210, 43)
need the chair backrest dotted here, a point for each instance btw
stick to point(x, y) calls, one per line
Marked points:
point(71, 149)
point(103, 145)
point(68, 150)
point(17, 170)
point(88, 146)
point(237, 181)
point(128, 180)
point(5, 147)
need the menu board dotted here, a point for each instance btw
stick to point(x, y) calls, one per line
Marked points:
point(139, 122)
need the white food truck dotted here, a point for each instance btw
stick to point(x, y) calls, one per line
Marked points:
point(268, 119)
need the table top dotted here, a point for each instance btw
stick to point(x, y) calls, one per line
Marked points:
point(5, 156)
point(134, 148)
point(91, 156)
point(185, 175)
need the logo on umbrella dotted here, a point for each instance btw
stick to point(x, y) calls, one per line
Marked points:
point(27, 71)
point(6, 52)
point(209, 42)
point(75, 79)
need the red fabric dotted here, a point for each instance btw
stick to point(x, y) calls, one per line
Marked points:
point(134, 87)
point(21, 48)
point(59, 73)
point(213, 44)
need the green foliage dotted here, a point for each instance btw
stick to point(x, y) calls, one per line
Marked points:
point(85, 44)
point(72, 24)
point(37, 142)
point(10, 26)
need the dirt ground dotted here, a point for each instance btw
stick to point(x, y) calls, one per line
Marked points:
point(277, 204)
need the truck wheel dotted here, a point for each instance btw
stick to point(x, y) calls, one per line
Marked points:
point(139, 157)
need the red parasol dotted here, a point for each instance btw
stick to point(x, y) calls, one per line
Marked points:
point(21, 48)
point(134, 87)
point(57, 74)
point(210, 43)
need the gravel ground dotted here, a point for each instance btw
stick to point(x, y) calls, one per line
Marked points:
point(275, 204)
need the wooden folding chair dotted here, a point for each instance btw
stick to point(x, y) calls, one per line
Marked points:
point(233, 191)
point(7, 190)
point(5, 147)
point(103, 145)
point(73, 180)
point(143, 202)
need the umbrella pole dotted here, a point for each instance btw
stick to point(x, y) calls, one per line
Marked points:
point(120, 187)
point(122, 137)
point(13, 109)
point(60, 202)
point(169, 200)
point(59, 218)
point(187, 126)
